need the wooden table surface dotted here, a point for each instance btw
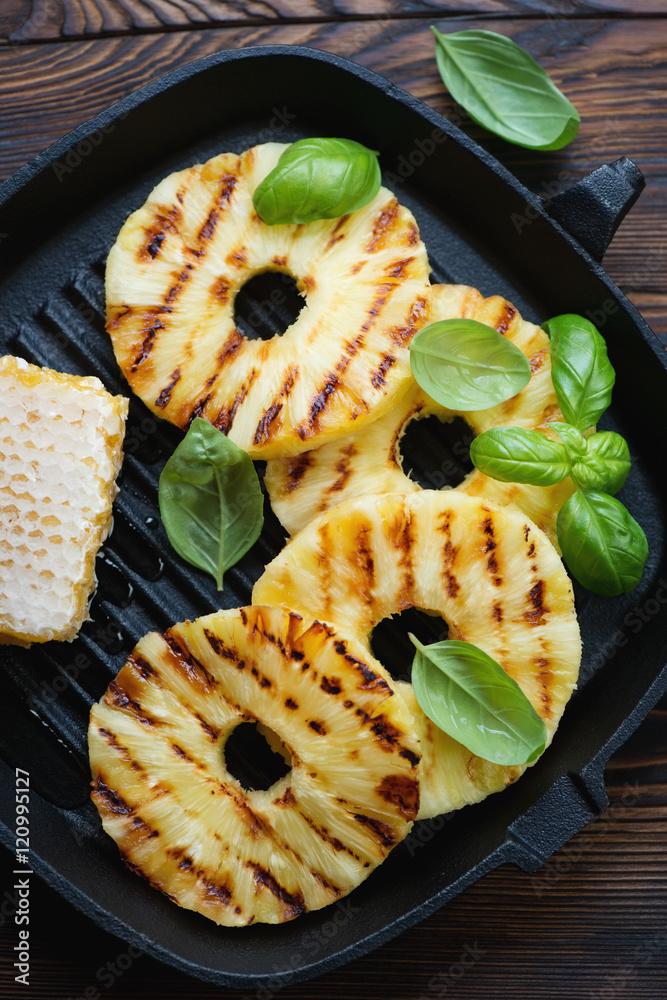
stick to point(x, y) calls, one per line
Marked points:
point(594, 924)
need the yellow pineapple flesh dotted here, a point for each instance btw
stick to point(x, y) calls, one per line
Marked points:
point(491, 574)
point(174, 273)
point(157, 743)
point(368, 460)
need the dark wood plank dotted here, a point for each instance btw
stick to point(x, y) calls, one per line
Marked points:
point(614, 71)
point(26, 21)
point(591, 924)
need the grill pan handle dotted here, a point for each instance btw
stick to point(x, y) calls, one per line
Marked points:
point(593, 208)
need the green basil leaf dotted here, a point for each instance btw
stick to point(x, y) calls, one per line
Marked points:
point(210, 500)
point(606, 463)
point(581, 372)
point(517, 455)
point(318, 179)
point(602, 544)
point(573, 439)
point(466, 365)
point(504, 90)
point(467, 694)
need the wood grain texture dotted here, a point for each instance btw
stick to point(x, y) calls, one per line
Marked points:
point(615, 71)
point(46, 20)
point(590, 925)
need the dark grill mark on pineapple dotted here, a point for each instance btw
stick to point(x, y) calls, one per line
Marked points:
point(537, 612)
point(400, 535)
point(215, 890)
point(545, 678)
point(207, 230)
point(165, 221)
point(226, 416)
point(110, 799)
point(398, 268)
point(210, 730)
point(449, 555)
point(331, 685)
point(347, 453)
point(180, 752)
point(291, 704)
point(148, 341)
point(219, 648)
point(143, 666)
point(402, 791)
point(153, 247)
point(263, 431)
point(322, 397)
point(286, 799)
point(336, 236)
point(382, 831)
point(402, 335)
point(198, 408)
point(504, 318)
point(194, 671)
point(489, 548)
point(537, 360)
point(375, 309)
point(165, 395)
point(293, 905)
point(220, 290)
point(413, 235)
point(237, 258)
point(378, 379)
point(178, 286)
point(227, 185)
point(413, 758)
point(118, 696)
point(318, 727)
point(296, 469)
point(384, 224)
point(497, 612)
point(121, 750)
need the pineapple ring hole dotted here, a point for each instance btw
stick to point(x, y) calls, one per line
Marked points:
point(256, 756)
point(390, 642)
point(435, 453)
point(267, 305)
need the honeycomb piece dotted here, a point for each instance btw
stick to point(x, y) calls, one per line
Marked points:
point(61, 440)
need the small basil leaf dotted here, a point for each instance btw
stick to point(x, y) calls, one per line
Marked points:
point(467, 694)
point(318, 179)
point(210, 500)
point(517, 455)
point(606, 463)
point(504, 90)
point(466, 365)
point(602, 544)
point(581, 372)
point(573, 439)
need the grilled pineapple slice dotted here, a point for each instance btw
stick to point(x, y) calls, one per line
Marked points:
point(369, 460)
point(491, 574)
point(174, 272)
point(61, 448)
point(181, 820)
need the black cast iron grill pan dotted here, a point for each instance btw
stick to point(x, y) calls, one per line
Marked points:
point(61, 214)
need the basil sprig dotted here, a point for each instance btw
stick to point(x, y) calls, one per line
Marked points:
point(602, 544)
point(504, 90)
point(466, 365)
point(210, 500)
point(466, 693)
point(318, 179)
